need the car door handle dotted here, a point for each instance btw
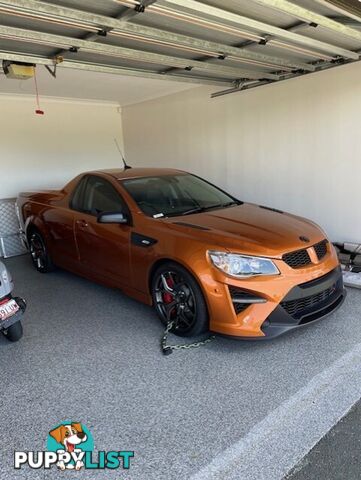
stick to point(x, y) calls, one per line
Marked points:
point(82, 223)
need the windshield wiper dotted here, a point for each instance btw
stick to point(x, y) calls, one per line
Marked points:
point(210, 207)
point(229, 204)
point(193, 210)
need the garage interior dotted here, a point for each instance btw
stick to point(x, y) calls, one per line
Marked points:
point(260, 97)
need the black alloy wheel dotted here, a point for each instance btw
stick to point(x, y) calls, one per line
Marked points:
point(39, 254)
point(178, 298)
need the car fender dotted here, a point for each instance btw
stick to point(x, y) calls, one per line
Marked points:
point(200, 273)
point(34, 221)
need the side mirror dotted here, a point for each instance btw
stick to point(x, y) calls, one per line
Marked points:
point(112, 217)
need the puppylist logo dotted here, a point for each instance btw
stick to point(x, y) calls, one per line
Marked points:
point(70, 446)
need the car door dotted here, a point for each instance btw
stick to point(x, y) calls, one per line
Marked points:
point(104, 249)
point(60, 224)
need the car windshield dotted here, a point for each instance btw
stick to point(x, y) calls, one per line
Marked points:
point(174, 195)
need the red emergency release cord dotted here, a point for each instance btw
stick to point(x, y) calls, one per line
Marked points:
point(38, 111)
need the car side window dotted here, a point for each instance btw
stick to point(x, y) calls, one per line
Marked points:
point(100, 196)
point(76, 202)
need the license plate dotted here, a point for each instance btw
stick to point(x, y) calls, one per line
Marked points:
point(8, 309)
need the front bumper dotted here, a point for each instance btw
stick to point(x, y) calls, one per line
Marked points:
point(304, 304)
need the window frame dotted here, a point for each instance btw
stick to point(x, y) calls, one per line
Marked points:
point(83, 183)
point(81, 187)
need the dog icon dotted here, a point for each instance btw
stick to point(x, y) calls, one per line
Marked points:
point(70, 436)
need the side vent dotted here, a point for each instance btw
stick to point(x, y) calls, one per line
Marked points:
point(242, 299)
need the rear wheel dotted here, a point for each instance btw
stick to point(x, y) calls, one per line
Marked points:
point(177, 297)
point(39, 253)
point(14, 332)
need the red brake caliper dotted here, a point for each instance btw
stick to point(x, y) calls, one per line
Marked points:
point(168, 297)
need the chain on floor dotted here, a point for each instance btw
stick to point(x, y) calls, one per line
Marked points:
point(168, 349)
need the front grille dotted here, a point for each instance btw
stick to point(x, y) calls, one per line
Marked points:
point(301, 258)
point(321, 249)
point(296, 308)
point(297, 259)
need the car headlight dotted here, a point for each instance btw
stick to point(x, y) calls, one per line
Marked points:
point(242, 266)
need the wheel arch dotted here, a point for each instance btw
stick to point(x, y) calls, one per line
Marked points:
point(154, 268)
point(162, 261)
point(34, 225)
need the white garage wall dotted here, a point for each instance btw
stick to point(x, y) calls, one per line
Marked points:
point(47, 151)
point(293, 145)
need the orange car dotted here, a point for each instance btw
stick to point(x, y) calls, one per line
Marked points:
point(204, 259)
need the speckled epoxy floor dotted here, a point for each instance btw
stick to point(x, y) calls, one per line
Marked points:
point(91, 354)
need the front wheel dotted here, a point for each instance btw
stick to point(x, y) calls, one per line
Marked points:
point(39, 253)
point(14, 332)
point(178, 298)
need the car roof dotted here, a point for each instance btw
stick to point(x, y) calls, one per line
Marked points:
point(121, 173)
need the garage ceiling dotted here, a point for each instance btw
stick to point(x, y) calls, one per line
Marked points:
point(93, 86)
point(235, 44)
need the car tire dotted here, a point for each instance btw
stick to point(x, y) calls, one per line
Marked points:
point(178, 297)
point(39, 253)
point(14, 332)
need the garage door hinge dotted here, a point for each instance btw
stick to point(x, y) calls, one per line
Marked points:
point(140, 8)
